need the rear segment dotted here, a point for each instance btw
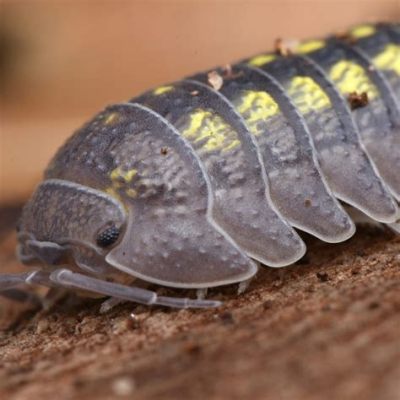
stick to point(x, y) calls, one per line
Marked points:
point(381, 43)
point(344, 163)
point(371, 99)
point(297, 186)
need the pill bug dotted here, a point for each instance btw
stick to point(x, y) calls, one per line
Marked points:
point(190, 184)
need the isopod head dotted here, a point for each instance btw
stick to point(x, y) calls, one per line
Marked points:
point(126, 196)
point(66, 221)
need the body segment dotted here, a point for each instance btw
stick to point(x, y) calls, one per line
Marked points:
point(381, 44)
point(242, 205)
point(297, 186)
point(378, 119)
point(344, 163)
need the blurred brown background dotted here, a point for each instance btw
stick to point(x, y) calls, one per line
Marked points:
point(61, 61)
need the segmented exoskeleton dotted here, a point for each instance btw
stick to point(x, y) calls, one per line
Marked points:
point(183, 185)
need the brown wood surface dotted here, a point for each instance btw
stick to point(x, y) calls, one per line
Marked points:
point(327, 328)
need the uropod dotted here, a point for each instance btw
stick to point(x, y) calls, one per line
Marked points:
point(194, 183)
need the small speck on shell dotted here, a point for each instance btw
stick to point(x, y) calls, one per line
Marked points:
point(357, 100)
point(215, 80)
point(282, 47)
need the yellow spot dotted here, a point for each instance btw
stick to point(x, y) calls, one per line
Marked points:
point(118, 174)
point(205, 126)
point(111, 118)
point(131, 193)
point(262, 59)
point(115, 174)
point(389, 58)
point(307, 95)
point(362, 31)
point(129, 175)
point(120, 180)
point(256, 107)
point(162, 90)
point(112, 192)
point(310, 46)
point(351, 77)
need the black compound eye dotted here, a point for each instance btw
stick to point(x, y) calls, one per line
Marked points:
point(108, 236)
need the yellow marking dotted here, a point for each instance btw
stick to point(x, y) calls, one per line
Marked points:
point(120, 180)
point(212, 129)
point(111, 118)
point(362, 31)
point(115, 174)
point(389, 58)
point(261, 60)
point(112, 192)
point(351, 77)
point(129, 175)
point(310, 46)
point(307, 95)
point(257, 106)
point(131, 193)
point(118, 174)
point(162, 90)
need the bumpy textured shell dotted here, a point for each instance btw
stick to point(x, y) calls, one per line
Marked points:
point(221, 166)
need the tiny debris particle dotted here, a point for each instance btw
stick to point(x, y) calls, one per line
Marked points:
point(194, 92)
point(134, 321)
point(227, 68)
point(373, 305)
point(42, 326)
point(307, 203)
point(227, 318)
point(346, 37)
point(122, 325)
point(192, 348)
point(326, 307)
point(123, 386)
point(322, 276)
point(268, 304)
point(78, 382)
point(228, 72)
point(215, 80)
point(357, 100)
point(355, 271)
point(282, 48)
point(164, 151)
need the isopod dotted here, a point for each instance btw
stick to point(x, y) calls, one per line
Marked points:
point(192, 184)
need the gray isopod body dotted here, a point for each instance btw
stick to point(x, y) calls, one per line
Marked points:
point(185, 185)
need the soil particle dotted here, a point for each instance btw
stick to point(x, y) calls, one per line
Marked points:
point(215, 80)
point(357, 100)
point(322, 276)
point(282, 47)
